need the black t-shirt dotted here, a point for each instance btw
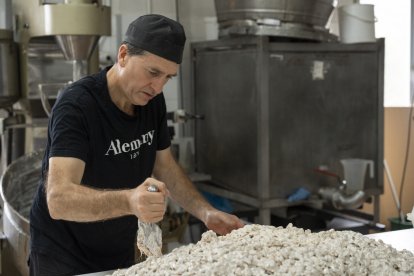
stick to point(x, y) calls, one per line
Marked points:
point(119, 152)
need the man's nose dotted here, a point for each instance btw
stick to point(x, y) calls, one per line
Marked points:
point(157, 85)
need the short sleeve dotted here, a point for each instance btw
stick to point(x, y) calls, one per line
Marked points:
point(68, 132)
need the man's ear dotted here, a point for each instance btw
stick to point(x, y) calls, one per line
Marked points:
point(122, 53)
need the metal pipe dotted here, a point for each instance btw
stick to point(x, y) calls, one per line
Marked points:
point(341, 201)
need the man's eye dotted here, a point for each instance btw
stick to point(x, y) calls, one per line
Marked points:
point(153, 73)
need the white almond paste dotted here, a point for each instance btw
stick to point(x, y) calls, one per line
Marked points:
point(149, 239)
point(267, 250)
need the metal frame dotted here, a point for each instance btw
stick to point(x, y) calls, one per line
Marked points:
point(263, 202)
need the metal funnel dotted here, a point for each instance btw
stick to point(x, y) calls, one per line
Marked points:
point(77, 47)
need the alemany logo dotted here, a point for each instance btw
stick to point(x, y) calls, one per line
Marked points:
point(117, 147)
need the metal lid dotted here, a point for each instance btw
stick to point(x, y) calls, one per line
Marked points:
point(6, 34)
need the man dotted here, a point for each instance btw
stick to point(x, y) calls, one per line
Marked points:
point(107, 137)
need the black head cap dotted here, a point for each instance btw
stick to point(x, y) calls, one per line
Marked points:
point(158, 35)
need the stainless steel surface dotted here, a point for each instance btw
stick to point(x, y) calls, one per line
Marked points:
point(9, 85)
point(12, 139)
point(340, 200)
point(275, 111)
point(77, 47)
point(46, 71)
point(312, 12)
point(101, 273)
point(92, 18)
point(399, 239)
point(263, 127)
point(18, 185)
point(294, 18)
point(47, 66)
point(49, 90)
point(36, 18)
point(282, 30)
point(50, 39)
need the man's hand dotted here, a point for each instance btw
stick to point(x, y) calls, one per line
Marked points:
point(149, 206)
point(222, 223)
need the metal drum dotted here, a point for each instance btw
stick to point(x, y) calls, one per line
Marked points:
point(18, 186)
point(9, 85)
point(304, 19)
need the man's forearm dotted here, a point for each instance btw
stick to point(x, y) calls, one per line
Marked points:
point(74, 202)
point(183, 191)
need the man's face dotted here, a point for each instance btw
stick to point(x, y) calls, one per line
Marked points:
point(144, 76)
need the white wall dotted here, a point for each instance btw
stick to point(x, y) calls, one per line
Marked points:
point(393, 23)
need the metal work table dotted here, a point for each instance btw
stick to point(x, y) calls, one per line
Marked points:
point(102, 273)
point(399, 239)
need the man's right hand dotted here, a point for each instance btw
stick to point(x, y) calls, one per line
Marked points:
point(149, 206)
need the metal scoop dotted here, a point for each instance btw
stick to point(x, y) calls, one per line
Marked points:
point(149, 236)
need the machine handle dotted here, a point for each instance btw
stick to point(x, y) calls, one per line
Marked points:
point(152, 188)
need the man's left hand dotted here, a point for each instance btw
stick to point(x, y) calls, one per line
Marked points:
point(222, 223)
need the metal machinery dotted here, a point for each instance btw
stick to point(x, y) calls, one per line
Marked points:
point(292, 19)
point(52, 44)
point(282, 115)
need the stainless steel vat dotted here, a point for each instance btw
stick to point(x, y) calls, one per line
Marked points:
point(311, 12)
point(274, 112)
point(9, 85)
point(294, 18)
point(18, 186)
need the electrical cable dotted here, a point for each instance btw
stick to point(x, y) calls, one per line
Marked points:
point(394, 192)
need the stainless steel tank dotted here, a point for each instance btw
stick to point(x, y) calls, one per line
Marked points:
point(270, 120)
point(18, 186)
point(289, 18)
point(9, 84)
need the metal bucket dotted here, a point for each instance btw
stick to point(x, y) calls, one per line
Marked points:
point(9, 84)
point(293, 18)
point(356, 23)
point(18, 186)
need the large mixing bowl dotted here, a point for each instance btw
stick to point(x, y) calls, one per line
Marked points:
point(290, 18)
point(18, 186)
point(311, 12)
